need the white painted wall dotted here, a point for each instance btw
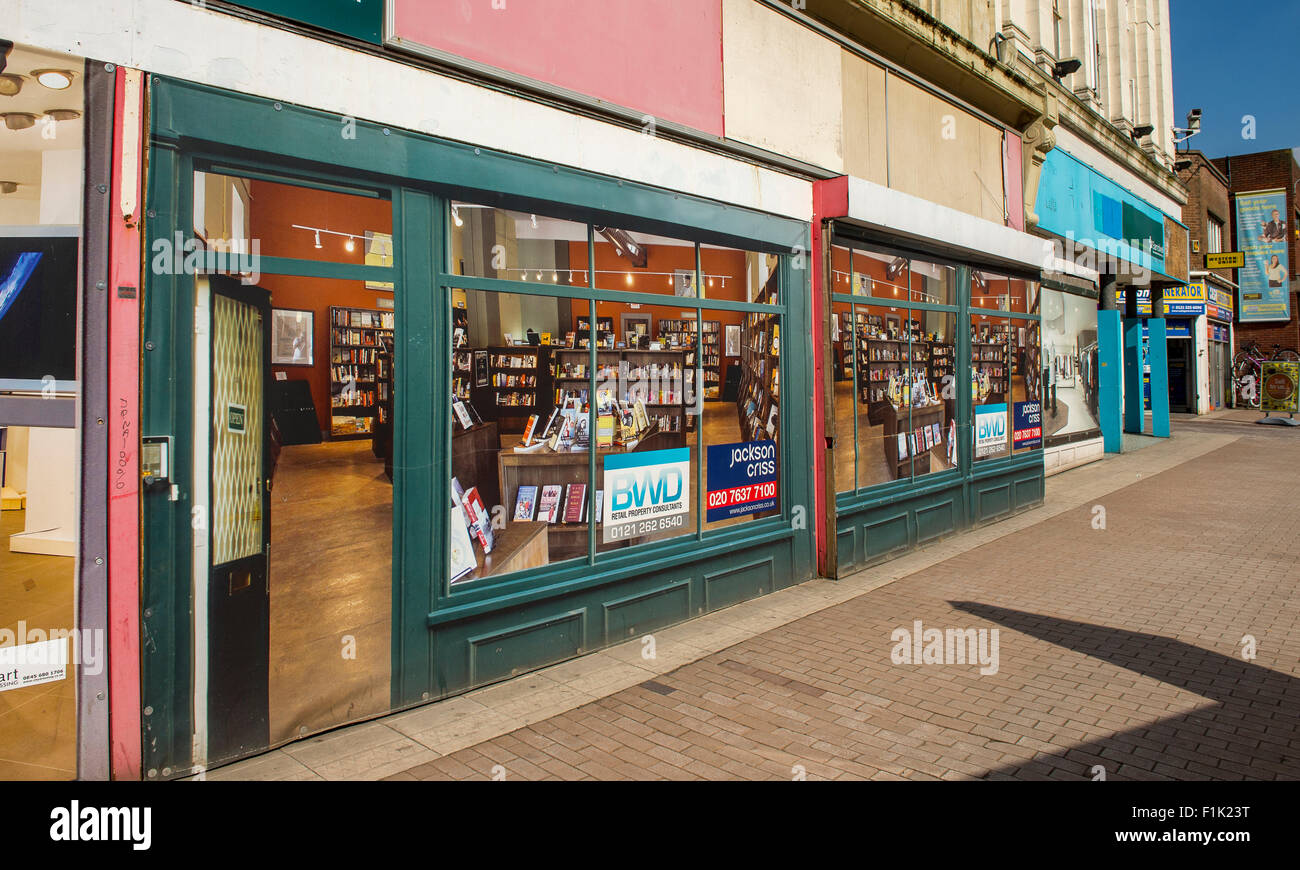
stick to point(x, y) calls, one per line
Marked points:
point(51, 521)
point(190, 42)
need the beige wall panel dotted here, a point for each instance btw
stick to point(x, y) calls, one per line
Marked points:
point(781, 85)
point(864, 118)
point(942, 154)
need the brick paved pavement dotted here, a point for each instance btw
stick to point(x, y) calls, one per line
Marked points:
point(1119, 647)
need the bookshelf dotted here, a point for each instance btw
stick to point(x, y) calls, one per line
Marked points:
point(706, 338)
point(662, 379)
point(759, 398)
point(519, 384)
point(604, 332)
point(989, 362)
point(355, 340)
point(382, 444)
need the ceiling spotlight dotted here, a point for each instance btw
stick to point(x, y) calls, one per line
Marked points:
point(456, 218)
point(350, 245)
point(10, 84)
point(62, 114)
point(555, 277)
point(539, 274)
point(534, 218)
point(629, 277)
point(318, 238)
point(8, 186)
point(18, 120)
point(54, 79)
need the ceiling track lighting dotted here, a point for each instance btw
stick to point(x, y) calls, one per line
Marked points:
point(54, 79)
point(349, 239)
point(18, 120)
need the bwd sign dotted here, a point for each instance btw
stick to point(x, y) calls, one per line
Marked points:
point(646, 493)
point(741, 479)
point(990, 429)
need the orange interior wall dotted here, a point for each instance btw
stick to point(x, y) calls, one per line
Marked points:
point(273, 211)
point(668, 258)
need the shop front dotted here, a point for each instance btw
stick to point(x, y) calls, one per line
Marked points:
point(933, 372)
point(434, 416)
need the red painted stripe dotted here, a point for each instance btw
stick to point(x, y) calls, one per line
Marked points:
point(124, 468)
point(830, 199)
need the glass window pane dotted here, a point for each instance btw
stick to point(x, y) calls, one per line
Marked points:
point(932, 283)
point(843, 373)
point(990, 360)
point(1026, 391)
point(1068, 364)
point(934, 391)
point(253, 217)
point(841, 270)
point(741, 437)
point(739, 275)
point(879, 274)
point(883, 394)
point(520, 436)
point(487, 242)
point(644, 263)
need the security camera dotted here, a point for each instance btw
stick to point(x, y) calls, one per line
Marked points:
point(1194, 120)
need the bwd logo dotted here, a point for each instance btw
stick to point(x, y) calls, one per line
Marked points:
point(990, 429)
point(646, 492)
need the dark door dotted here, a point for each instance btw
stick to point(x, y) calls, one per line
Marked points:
point(1180, 374)
point(239, 592)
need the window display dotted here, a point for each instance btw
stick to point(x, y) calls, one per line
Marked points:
point(585, 426)
point(1068, 366)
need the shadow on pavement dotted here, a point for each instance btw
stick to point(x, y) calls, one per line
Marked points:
point(1251, 732)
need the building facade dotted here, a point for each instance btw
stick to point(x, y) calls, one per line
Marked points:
point(1262, 190)
point(414, 356)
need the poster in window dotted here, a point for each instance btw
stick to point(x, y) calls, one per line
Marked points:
point(733, 339)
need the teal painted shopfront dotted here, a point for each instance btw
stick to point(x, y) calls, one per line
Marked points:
point(935, 386)
point(450, 416)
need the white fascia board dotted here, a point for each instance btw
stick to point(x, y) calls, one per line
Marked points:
point(903, 214)
point(1093, 157)
point(191, 42)
point(1066, 267)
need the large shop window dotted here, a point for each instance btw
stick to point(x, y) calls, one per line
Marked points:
point(1068, 367)
point(894, 361)
point(1005, 374)
point(590, 415)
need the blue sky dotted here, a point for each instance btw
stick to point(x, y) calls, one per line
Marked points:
point(1233, 59)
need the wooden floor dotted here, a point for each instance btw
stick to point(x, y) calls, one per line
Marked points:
point(38, 724)
point(331, 580)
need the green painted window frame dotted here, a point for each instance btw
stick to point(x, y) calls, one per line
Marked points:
point(522, 581)
point(967, 467)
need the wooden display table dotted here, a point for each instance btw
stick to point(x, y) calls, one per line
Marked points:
point(896, 420)
point(545, 468)
point(473, 461)
point(518, 547)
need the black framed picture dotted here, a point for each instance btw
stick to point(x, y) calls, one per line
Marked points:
point(481, 368)
point(292, 337)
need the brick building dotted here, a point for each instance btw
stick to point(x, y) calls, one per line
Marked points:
point(1268, 170)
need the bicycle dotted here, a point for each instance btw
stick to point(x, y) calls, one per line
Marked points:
point(1248, 367)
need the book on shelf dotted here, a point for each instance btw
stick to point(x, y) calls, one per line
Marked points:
point(529, 428)
point(575, 504)
point(548, 507)
point(902, 446)
point(526, 504)
point(605, 430)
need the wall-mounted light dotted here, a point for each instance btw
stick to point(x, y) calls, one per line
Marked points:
point(54, 79)
point(10, 85)
point(18, 120)
point(8, 186)
point(1142, 130)
point(62, 114)
point(1063, 68)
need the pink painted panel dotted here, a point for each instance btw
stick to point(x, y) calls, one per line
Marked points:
point(658, 57)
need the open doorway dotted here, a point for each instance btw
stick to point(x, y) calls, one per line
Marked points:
point(294, 423)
